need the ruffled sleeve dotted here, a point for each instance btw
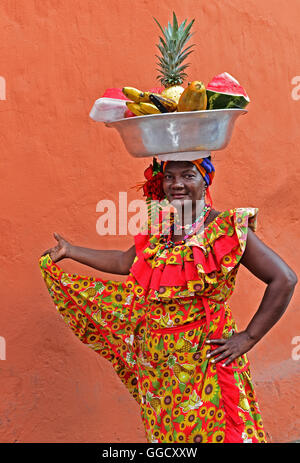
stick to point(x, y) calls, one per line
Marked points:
point(199, 265)
point(222, 245)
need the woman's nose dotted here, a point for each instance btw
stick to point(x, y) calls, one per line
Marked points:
point(177, 183)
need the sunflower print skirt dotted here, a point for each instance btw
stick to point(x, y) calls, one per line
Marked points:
point(183, 396)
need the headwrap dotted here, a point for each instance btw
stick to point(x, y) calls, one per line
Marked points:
point(205, 167)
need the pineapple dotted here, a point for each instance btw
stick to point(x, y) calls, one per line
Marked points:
point(183, 345)
point(177, 369)
point(89, 292)
point(183, 373)
point(170, 64)
point(156, 405)
point(243, 401)
point(92, 291)
point(188, 368)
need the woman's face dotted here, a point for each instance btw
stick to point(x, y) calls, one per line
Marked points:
point(183, 182)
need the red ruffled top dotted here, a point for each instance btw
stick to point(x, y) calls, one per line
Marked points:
point(206, 264)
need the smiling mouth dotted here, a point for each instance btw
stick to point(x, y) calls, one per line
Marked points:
point(178, 195)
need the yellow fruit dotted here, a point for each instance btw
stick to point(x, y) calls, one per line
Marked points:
point(135, 108)
point(182, 345)
point(194, 398)
point(184, 377)
point(49, 281)
point(97, 316)
point(243, 402)
point(193, 98)
point(193, 401)
point(65, 280)
point(188, 368)
point(163, 103)
point(145, 97)
point(149, 108)
point(134, 94)
point(174, 92)
point(177, 369)
point(90, 292)
point(164, 320)
point(155, 404)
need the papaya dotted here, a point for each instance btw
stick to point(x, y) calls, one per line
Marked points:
point(193, 98)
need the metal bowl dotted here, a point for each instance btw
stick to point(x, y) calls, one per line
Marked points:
point(187, 133)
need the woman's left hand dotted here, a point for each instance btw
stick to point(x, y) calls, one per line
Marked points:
point(231, 348)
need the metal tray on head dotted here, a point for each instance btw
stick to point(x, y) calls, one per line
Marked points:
point(180, 132)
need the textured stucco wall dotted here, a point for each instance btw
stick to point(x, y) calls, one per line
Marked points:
point(56, 58)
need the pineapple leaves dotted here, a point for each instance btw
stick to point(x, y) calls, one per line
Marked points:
point(159, 25)
point(171, 44)
point(161, 60)
point(183, 56)
point(182, 68)
point(162, 45)
point(175, 23)
point(181, 27)
point(185, 50)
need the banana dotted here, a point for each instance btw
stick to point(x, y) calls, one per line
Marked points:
point(149, 108)
point(165, 105)
point(135, 108)
point(144, 98)
point(136, 95)
point(193, 402)
point(164, 320)
point(162, 103)
point(193, 399)
point(142, 109)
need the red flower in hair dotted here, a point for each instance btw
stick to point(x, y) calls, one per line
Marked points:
point(153, 188)
point(148, 172)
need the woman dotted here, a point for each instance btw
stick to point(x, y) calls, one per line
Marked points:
point(168, 330)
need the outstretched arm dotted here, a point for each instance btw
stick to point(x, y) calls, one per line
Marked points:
point(108, 261)
point(281, 280)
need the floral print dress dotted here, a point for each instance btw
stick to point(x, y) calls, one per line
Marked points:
point(153, 327)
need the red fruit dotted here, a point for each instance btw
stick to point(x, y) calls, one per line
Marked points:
point(129, 113)
point(114, 93)
point(156, 90)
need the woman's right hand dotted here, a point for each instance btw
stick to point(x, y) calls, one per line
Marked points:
point(60, 251)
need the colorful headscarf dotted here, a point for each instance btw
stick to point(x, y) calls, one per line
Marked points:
point(205, 167)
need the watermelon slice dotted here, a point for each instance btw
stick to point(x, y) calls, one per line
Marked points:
point(156, 90)
point(129, 113)
point(224, 91)
point(114, 93)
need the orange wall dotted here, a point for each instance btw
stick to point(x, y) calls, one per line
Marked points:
point(57, 57)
